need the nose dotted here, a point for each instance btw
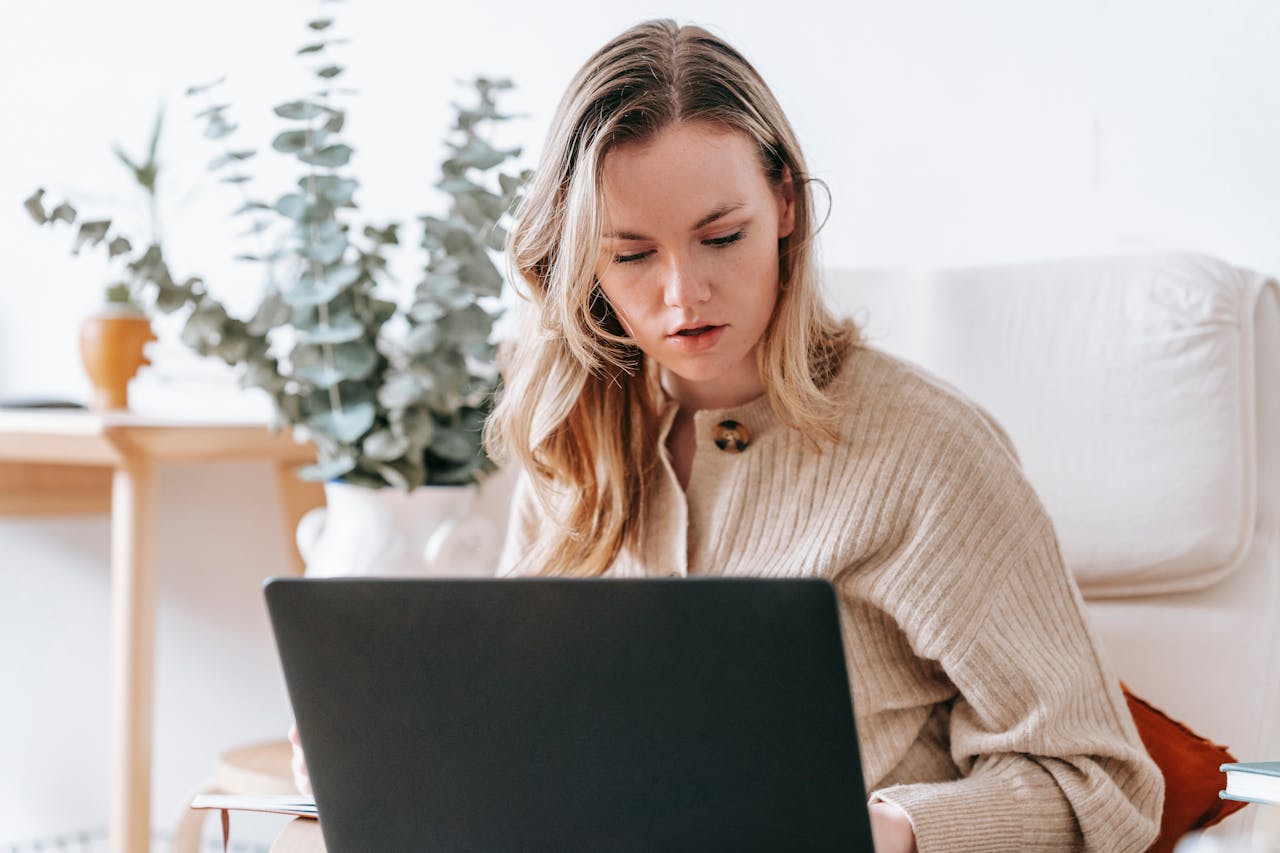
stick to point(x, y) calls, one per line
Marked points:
point(684, 286)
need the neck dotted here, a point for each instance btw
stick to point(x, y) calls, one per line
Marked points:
point(724, 392)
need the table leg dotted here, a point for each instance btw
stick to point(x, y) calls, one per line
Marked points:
point(133, 619)
point(297, 497)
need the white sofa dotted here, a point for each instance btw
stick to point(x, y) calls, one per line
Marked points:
point(1143, 395)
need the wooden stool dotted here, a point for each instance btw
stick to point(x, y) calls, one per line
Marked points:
point(260, 768)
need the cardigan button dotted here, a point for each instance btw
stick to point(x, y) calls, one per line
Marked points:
point(732, 437)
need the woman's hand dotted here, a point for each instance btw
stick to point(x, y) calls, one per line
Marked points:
point(891, 829)
point(301, 778)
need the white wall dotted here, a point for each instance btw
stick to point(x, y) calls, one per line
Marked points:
point(949, 134)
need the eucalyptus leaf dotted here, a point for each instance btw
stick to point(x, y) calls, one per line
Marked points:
point(119, 294)
point(232, 347)
point(458, 185)
point(365, 480)
point(262, 374)
point(328, 469)
point(203, 87)
point(336, 189)
point(319, 232)
point(414, 423)
point(218, 129)
point(299, 110)
point(329, 72)
point(496, 239)
point(471, 323)
point(492, 206)
point(394, 477)
point(346, 425)
point(228, 158)
point(326, 251)
point(311, 48)
point(426, 311)
point(423, 339)
point(481, 276)
point(271, 312)
point(214, 111)
point(331, 156)
point(310, 291)
point(320, 24)
point(470, 210)
point(384, 446)
point(250, 206)
point(292, 205)
point(343, 330)
point(454, 444)
point(297, 141)
point(509, 185)
point(321, 375)
point(325, 366)
point(34, 207)
point(385, 236)
point(335, 121)
point(119, 246)
point(458, 473)
point(478, 154)
point(92, 232)
point(401, 391)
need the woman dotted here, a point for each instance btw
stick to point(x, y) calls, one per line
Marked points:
point(682, 403)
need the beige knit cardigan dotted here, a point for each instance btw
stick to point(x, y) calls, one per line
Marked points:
point(986, 708)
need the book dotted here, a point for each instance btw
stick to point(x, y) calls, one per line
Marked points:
point(1252, 782)
point(298, 805)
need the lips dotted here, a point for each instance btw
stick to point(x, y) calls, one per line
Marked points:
point(693, 330)
point(696, 338)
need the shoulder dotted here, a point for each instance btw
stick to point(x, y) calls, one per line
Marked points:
point(899, 405)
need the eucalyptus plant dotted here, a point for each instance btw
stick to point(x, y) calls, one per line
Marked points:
point(389, 396)
point(145, 173)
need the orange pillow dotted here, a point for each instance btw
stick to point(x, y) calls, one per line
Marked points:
point(1192, 779)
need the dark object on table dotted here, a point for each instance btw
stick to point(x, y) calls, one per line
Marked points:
point(36, 402)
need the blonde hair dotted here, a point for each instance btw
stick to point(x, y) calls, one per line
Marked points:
point(580, 406)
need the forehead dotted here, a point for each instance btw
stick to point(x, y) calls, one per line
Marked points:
point(682, 172)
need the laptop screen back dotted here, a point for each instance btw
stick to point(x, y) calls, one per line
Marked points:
point(573, 715)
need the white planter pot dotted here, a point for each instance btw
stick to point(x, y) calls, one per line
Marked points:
point(434, 531)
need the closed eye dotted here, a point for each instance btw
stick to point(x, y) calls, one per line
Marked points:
point(717, 243)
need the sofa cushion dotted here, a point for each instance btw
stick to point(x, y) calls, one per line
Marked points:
point(1126, 384)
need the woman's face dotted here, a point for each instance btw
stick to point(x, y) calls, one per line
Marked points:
point(690, 255)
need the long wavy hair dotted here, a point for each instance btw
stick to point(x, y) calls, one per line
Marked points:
point(580, 405)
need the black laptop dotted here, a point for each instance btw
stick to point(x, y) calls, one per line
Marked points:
point(565, 715)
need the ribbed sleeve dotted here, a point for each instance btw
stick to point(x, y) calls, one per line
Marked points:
point(986, 709)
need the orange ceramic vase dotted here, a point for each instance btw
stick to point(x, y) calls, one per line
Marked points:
point(111, 345)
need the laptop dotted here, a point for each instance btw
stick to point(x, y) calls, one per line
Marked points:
point(565, 715)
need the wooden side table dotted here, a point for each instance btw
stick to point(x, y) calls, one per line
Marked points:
point(76, 462)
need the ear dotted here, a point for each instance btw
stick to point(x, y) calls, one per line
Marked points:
point(786, 204)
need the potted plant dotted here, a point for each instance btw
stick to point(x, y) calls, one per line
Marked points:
point(393, 397)
point(113, 338)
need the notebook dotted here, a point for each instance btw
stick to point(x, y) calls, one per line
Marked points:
point(569, 715)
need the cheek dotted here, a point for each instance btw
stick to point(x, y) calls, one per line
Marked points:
point(623, 301)
point(757, 270)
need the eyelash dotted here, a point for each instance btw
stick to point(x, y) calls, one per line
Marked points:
point(717, 243)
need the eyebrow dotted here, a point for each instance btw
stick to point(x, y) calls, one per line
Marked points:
point(719, 212)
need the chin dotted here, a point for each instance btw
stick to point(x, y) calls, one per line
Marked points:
point(694, 370)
